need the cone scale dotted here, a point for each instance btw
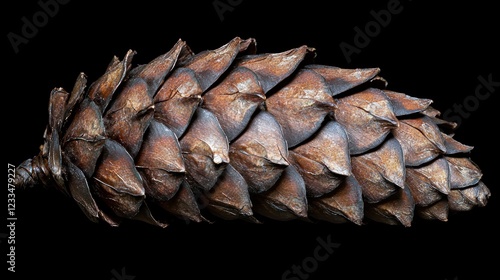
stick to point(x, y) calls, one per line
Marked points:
point(232, 134)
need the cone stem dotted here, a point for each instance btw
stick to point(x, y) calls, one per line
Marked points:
point(32, 172)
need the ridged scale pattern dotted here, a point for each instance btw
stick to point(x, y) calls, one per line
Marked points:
point(231, 134)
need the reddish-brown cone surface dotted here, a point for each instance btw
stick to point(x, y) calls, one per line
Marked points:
point(231, 134)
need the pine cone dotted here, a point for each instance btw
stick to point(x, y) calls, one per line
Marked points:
point(232, 134)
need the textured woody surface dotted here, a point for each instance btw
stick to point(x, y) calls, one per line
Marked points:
point(231, 134)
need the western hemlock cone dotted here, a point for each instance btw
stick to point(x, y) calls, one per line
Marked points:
point(231, 134)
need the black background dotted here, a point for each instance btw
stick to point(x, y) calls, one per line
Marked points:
point(428, 50)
